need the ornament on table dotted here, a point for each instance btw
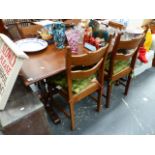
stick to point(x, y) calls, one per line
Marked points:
point(84, 23)
point(97, 31)
point(73, 36)
point(49, 28)
point(81, 31)
point(94, 42)
point(88, 38)
point(87, 35)
point(45, 34)
point(59, 34)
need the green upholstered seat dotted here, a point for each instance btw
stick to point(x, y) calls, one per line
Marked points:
point(118, 66)
point(77, 85)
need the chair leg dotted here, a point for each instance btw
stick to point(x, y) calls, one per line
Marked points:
point(127, 85)
point(109, 89)
point(99, 101)
point(72, 115)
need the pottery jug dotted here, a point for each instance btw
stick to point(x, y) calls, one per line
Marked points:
point(59, 34)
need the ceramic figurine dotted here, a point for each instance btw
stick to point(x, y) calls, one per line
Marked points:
point(97, 32)
point(88, 38)
point(59, 34)
point(87, 35)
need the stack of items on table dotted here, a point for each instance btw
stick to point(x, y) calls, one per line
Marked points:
point(95, 35)
point(89, 33)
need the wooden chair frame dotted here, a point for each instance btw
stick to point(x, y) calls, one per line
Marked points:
point(97, 58)
point(24, 29)
point(94, 59)
point(19, 28)
point(116, 25)
point(4, 29)
point(110, 77)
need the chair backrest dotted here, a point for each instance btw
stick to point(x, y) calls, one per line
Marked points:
point(18, 28)
point(87, 64)
point(27, 29)
point(116, 25)
point(14, 22)
point(3, 29)
point(132, 46)
point(9, 21)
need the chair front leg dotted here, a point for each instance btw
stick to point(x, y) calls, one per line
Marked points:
point(43, 92)
point(71, 104)
point(128, 84)
point(109, 90)
point(99, 101)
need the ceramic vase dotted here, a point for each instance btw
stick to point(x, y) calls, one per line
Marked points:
point(59, 34)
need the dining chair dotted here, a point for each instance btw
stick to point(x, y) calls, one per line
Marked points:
point(4, 29)
point(13, 21)
point(116, 25)
point(84, 76)
point(121, 63)
point(27, 29)
point(13, 29)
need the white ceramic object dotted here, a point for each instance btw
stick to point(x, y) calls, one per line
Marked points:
point(31, 44)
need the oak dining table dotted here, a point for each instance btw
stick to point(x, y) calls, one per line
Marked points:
point(46, 63)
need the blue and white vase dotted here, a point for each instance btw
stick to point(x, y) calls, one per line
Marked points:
point(59, 34)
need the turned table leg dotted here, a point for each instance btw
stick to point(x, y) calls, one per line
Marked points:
point(46, 98)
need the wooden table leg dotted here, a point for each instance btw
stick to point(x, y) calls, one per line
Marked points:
point(46, 99)
point(53, 90)
point(52, 114)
